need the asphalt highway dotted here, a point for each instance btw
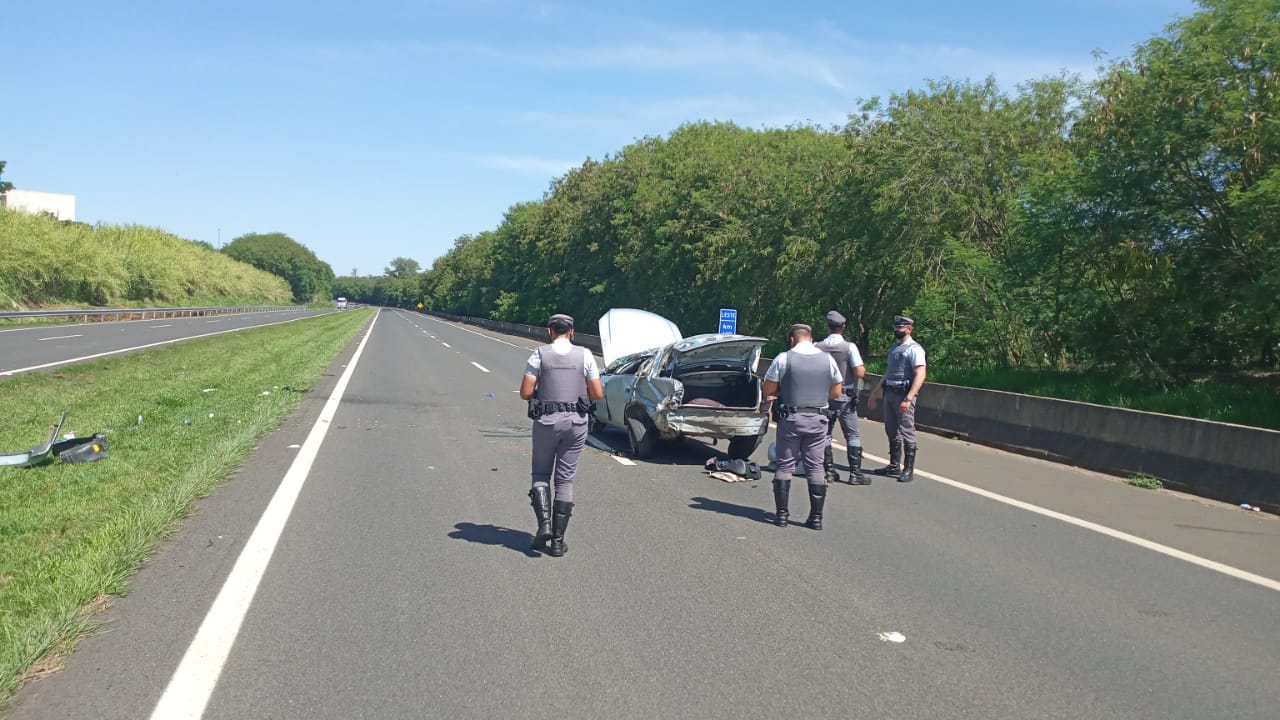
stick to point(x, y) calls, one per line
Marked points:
point(401, 586)
point(37, 347)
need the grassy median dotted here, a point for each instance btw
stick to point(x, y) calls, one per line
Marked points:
point(179, 421)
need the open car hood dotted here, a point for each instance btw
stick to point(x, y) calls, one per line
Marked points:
point(714, 350)
point(624, 331)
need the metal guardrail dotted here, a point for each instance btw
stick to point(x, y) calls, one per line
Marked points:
point(114, 314)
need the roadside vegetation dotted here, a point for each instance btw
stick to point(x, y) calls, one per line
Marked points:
point(48, 263)
point(179, 421)
point(1113, 240)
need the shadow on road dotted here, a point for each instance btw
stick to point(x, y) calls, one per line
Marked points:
point(517, 540)
point(724, 508)
point(682, 451)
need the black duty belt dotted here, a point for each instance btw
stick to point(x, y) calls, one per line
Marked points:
point(555, 407)
point(794, 409)
point(898, 386)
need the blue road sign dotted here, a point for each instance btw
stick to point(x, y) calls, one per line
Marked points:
point(728, 321)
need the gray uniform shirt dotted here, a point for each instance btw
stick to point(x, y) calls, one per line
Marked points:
point(904, 357)
point(811, 378)
point(847, 358)
point(562, 355)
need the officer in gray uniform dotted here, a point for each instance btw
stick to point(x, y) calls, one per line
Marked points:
point(804, 379)
point(560, 382)
point(903, 377)
point(844, 409)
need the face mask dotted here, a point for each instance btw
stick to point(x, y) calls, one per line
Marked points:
point(899, 334)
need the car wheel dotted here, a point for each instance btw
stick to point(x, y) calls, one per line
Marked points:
point(642, 434)
point(742, 446)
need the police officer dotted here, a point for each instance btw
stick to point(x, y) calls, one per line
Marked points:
point(903, 377)
point(560, 381)
point(804, 379)
point(844, 409)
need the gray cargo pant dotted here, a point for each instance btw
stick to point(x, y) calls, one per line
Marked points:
point(897, 423)
point(801, 438)
point(846, 409)
point(557, 442)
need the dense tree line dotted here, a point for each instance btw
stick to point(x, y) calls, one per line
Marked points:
point(1127, 222)
point(310, 278)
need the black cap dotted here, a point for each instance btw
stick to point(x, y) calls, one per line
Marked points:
point(835, 318)
point(561, 320)
point(903, 320)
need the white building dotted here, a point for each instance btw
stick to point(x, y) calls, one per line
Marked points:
point(60, 206)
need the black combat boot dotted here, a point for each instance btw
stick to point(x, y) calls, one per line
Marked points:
point(892, 469)
point(817, 498)
point(541, 498)
point(781, 496)
point(908, 464)
point(855, 467)
point(829, 464)
point(560, 513)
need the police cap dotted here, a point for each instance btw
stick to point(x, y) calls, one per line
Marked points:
point(561, 321)
point(903, 321)
point(835, 318)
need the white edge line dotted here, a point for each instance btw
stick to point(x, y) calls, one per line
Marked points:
point(82, 358)
point(623, 461)
point(196, 677)
point(1205, 563)
point(482, 368)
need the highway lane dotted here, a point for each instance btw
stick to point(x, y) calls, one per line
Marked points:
point(401, 586)
point(24, 349)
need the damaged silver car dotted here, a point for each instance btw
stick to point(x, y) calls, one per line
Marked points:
point(659, 385)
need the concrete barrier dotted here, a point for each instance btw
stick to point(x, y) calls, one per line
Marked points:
point(1232, 463)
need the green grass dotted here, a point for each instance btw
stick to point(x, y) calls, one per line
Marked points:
point(1148, 482)
point(1243, 399)
point(72, 534)
point(44, 262)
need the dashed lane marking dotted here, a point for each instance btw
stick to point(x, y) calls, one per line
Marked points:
point(61, 337)
point(82, 358)
point(482, 368)
point(1206, 563)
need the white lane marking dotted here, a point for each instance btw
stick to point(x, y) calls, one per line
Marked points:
point(119, 322)
point(893, 637)
point(82, 358)
point(473, 332)
point(193, 682)
point(446, 345)
point(623, 461)
point(61, 337)
point(212, 321)
point(1205, 563)
point(160, 326)
point(482, 368)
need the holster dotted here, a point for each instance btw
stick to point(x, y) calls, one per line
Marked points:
point(586, 405)
point(535, 408)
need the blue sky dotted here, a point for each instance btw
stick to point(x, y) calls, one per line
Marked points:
point(387, 128)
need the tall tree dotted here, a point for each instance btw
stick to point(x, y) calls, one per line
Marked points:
point(310, 278)
point(403, 267)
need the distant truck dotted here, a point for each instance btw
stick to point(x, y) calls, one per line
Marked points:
point(342, 303)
